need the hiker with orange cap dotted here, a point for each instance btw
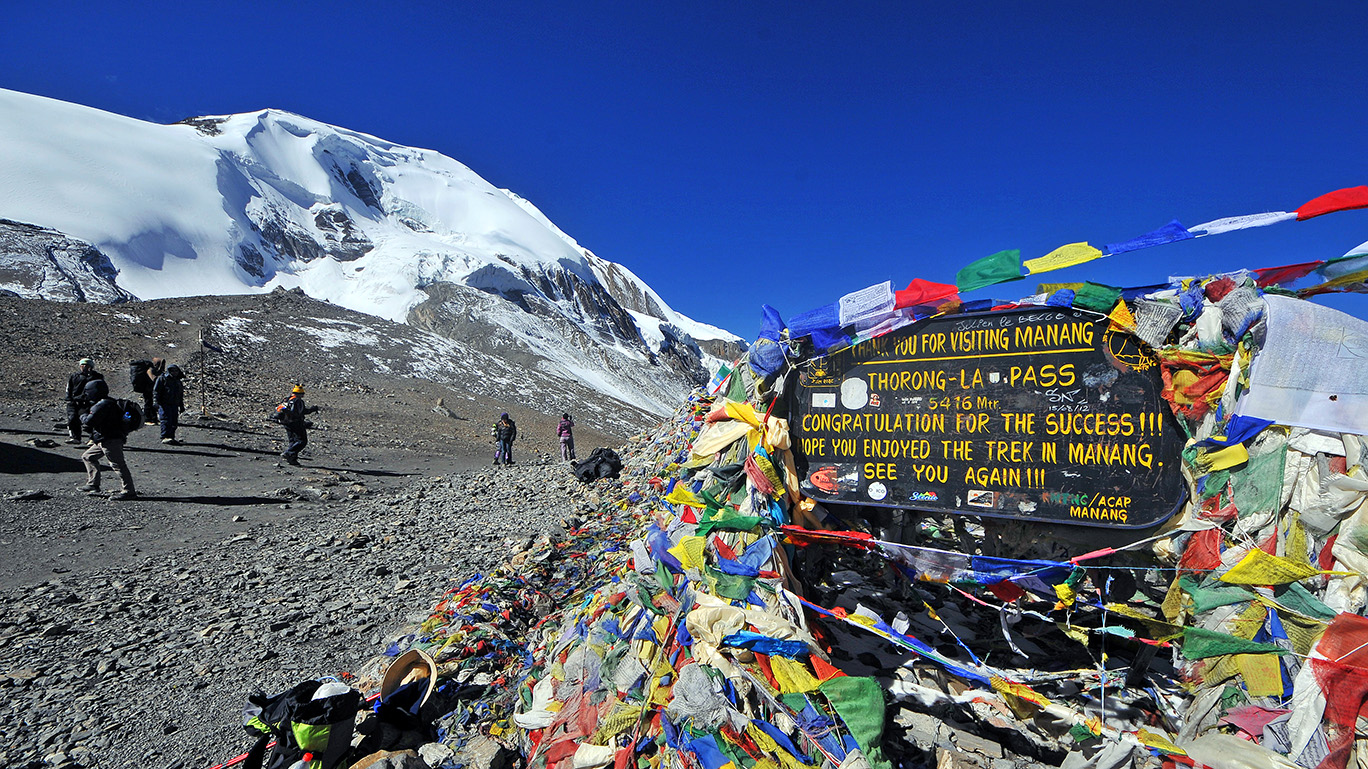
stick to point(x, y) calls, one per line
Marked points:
point(291, 414)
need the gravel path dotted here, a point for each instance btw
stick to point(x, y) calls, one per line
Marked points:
point(148, 661)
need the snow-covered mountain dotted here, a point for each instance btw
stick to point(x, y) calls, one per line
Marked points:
point(99, 207)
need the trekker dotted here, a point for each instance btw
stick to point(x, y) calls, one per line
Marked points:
point(291, 414)
point(169, 394)
point(76, 405)
point(505, 431)
point(142, 375)
point(567, 437)
point(108, 434)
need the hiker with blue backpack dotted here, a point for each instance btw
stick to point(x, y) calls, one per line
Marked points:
point(292, 415)
point(109, 423)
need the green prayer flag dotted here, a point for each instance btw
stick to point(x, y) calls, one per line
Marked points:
point(1211, 593)
point(1301, 600)
point(1097, 297)
point(733, 586)
point(1199, 644)
point(859, 701)
point(990, 270)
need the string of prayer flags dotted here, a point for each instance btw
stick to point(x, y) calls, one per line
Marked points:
point(1001, 267)
point(1064, 256)
point(1346, 199)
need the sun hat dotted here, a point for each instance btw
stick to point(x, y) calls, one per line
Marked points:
point(412, 666)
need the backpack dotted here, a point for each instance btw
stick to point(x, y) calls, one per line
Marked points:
point(302, 726)
point(282, 414)
point(137, 375)
point(131, 416)
point(603, 463)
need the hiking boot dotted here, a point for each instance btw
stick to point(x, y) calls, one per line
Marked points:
point(171, 441)
point(89, 488)
point(291, 461)
point(72, 441)
point(125, 494)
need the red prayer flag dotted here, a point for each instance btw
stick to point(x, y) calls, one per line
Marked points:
point(922, 292)
point(1346, 199)
point(1273, 276)
point(825, 671)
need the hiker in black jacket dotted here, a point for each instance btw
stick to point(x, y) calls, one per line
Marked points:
point(107, 434)
point(505, 432)
point(76, 405)
point(291, 414)
point(169, 395)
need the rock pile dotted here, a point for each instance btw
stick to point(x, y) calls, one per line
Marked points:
point(150, 664)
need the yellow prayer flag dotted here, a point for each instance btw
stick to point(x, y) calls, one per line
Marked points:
point(689, 551)
point(1021, 691)
point(1152, 740)
point(1262, 674)
point(1050, 288)
point(1260, 568)
point(1121, 317)
point(744, 412)
point(1223, 459)
point(792, 676)
point(1064, 256)
point(682, 496)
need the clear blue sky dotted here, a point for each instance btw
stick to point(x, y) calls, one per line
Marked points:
point(738, 153)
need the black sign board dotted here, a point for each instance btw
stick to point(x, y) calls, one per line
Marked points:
point(1036, 414)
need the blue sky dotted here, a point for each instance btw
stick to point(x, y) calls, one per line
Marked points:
point(733, 154)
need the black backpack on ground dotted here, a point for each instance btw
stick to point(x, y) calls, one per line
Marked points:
point(603, 463)
point(300, 724)
point(137, 375)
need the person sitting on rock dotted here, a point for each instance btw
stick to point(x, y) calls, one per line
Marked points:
point(108, 433)
point(567, 437)
point(291, 414)
point(76, 405)
point(505, 432)
point(169, 394)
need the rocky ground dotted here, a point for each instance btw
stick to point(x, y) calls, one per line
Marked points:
point(131, 633)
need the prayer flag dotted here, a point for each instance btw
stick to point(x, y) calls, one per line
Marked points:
point(1097, 297)
point(1064, 256)
point(1344, 265)
point(990, 270)
point(866, 303)
point(1274, 276)
point(923, 292)
point(1346, 199)
point(1232, 223)
point(1169, 233)
point(1260, 568)
point(805, 323)
point(1200, 644)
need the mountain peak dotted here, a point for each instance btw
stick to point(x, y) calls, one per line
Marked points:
point(246, 203)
